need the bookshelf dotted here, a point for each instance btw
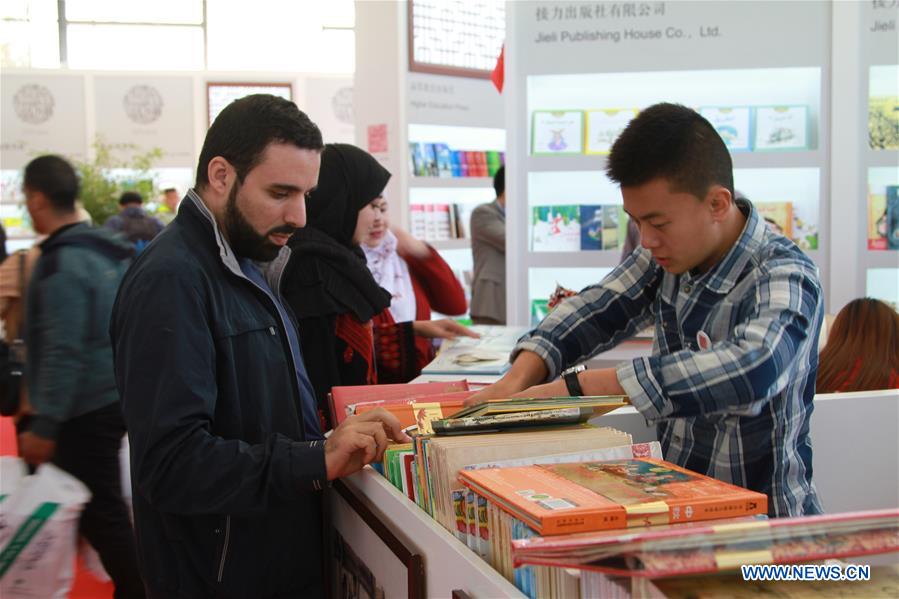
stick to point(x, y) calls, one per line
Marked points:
point(878, 140)
point(428, 116)
point(590, 88)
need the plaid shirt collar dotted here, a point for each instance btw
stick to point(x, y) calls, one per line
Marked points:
point(726, 273)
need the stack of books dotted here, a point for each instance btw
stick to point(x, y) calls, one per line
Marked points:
point(495, 415)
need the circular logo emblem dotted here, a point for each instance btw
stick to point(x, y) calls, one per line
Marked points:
point(342, 104)
point(143, 104)
point(33, 104)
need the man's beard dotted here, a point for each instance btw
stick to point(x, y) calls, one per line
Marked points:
point(243, 238)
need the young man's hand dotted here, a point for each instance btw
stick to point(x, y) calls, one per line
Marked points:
point(527, 369)
point(444, 328)
point(360, 440)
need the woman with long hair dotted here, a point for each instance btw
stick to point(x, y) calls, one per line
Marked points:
point(862, 351)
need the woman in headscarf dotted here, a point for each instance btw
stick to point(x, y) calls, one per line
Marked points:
point(414, 274)
point(333, 294)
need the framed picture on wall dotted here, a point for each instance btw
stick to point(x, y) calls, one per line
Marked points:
point(220, 94)
point(368, 559)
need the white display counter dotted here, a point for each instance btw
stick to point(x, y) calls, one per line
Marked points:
point(856, 467)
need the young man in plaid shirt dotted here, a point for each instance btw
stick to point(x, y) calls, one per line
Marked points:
point(736, 308)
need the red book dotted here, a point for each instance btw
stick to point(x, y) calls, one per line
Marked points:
point(341, 397)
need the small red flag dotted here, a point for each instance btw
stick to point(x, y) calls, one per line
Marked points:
point(499, 71)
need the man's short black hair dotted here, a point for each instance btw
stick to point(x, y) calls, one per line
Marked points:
point(244, 129)
point(169, 190)
point(499, 181)
point(130, 197)
point(673, 142)
point(54, 177)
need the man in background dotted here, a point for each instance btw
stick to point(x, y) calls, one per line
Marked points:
point(76, 419)
point(488, 249)
point(170, 201)
point(133, 222)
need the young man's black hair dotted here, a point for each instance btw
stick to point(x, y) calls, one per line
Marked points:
point(499, 181)
point(130, 197)
point(243, 130)
point(673, 142)
point(55, 178)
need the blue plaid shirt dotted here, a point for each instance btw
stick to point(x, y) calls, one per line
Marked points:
point(731, 379)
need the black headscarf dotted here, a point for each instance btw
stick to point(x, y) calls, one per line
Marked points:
point(327, 273)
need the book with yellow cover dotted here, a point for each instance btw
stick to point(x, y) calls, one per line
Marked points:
point(589, 496)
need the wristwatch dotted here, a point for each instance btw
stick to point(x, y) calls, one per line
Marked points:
point(570, 377)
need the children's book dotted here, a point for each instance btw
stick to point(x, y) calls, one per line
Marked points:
point(604, 127)
point(781, 128)
point(557, 132)
point(590, 496)
point(613, 220)
point(556, 228)
point(877, 221)
point(591, 227)
point(732, 124)
point(778, 216)
point(893, 217)
point(489, 354)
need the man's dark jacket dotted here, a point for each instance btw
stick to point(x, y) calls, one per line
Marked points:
point(226, 489)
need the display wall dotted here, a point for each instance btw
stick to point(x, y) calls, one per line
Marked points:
point(65, 112)
point(577, 72)
point(878, 186)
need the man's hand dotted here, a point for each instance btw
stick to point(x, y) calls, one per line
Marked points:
point(443, 329)
point(527, 369)
point(36, 450)
point(360, 440)
point(557, 388)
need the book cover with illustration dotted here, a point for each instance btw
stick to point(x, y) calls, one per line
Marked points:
point(614, 224)
point(892, 198)
point(877, 221)
point(444, 158)
point(778, 216)
point(555, 228)
point(604, 127)
point(732, 124)
point(591, 227)
point(557, 132)
point(590, 496)
point(781, 128)
point(539, 311)
point(883, 106)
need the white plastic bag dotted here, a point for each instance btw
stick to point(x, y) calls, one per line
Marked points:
point(38, 529)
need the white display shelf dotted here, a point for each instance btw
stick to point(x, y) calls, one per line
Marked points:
point(575, 259)
point(449, 564)
point(883, 158)
point(882, 258)
point(450, 244)
point(755, 160)
point(451, 182)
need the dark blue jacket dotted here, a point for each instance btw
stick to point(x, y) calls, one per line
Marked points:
point(226, 489)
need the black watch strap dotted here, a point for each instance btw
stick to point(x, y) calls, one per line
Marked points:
point(573, 385)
